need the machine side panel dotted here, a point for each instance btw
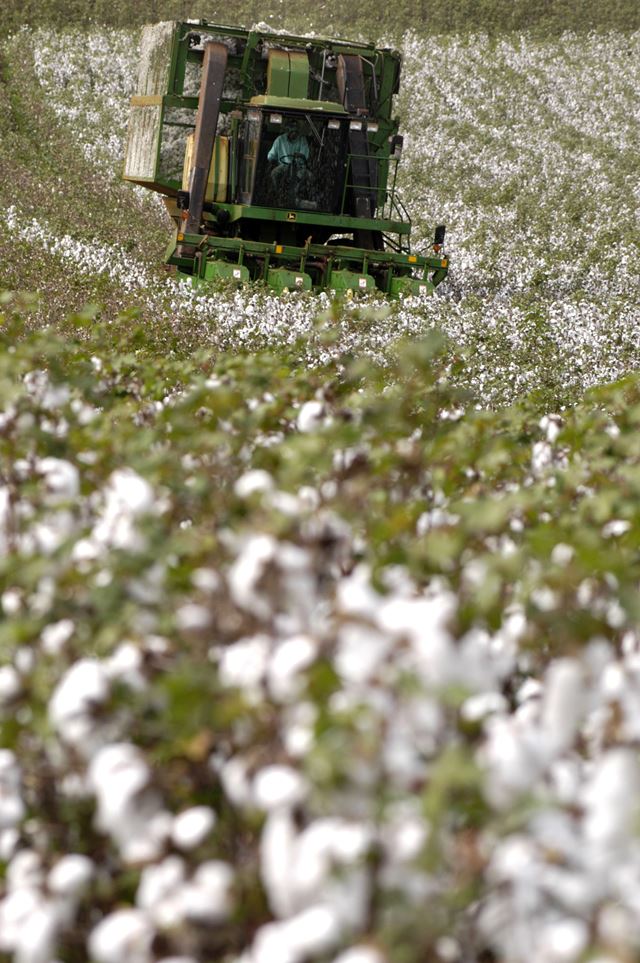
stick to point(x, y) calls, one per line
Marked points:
point(143, 142)
point(155, 58)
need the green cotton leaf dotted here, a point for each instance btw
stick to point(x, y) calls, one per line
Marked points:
point(487, 516)
point(440, 549)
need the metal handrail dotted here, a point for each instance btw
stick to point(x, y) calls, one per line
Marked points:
point(387, 200)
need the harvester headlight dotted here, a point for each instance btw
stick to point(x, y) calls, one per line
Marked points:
point(355, 125)
point(372, 128)
point(253, 115)
point(275, 118)
point(333, 124)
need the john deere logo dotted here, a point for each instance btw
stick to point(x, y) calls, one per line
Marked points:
point(291, 216)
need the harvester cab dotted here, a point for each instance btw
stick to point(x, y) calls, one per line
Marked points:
point(277, 157)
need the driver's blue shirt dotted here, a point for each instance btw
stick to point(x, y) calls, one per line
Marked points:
point(283, 149)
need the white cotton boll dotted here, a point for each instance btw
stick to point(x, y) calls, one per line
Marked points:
point(243, 664)
point(36, 940)
point(25, 660)
point(404, 838)
point(562, 554)
point(351, 841)
point(277, 852)
point(17, 907)
point(277, 786)
point(610, 799)
point(70, 876)
point(360, 652)
point(25, 871)
point(9, 839)
point(551, 425)
point(131, 491)
point(159, 892)
point(356, 596)
point(83, 688)
point(513, 858)
point(530, 689)
point(562, 942)
point(11, 599)
point(566, 779)
point(247, 570)
point(156, 882)
point(511, 759)
point(54, 637)
point(615, 528)
point(270, 945)
point(192, 617)
point(314, 930)
point(562, 704)
point(424, 621)
point(126, 665)
point(10, 685)
point(126, 934)
point(61, 479)
point(311, 416)
point(236, 783)
point(541, 457)
point(360, 954)
point(485, 703)
point(289, 660)
point(192, 827)
point(253, 482)
point(208, 898)
point(206, 580)
point(128, 808)
point(613, 681)
point(127, 497)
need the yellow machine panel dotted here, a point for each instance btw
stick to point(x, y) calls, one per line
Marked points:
point(218, 180)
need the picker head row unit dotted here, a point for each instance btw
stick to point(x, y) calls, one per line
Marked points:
point(278, 157)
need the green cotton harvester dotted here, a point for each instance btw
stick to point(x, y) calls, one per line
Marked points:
point(277, 157)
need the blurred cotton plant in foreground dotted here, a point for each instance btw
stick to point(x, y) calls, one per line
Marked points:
point(311, 664)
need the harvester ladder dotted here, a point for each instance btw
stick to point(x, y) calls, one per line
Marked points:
point(350, 80)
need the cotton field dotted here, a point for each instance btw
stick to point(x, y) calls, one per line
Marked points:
point(320, 634)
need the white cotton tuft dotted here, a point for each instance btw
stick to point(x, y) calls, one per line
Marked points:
point(208, 898)
point(55, 636)
point(12, 808)
point(128, 807)
point(70, 876)
point(278, 786)
point(562, 704)
point(360, 954)
point(253, 482)
point(126, 934)
point(83, 689)
point(246, 572)
point(286, 665)
point(10, 685)
point(192, 827)
point(610, 800)
point(37, 938)
point(563, 942)
point(311, 416)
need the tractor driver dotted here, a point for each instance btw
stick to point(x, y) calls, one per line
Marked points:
point(289, 153)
